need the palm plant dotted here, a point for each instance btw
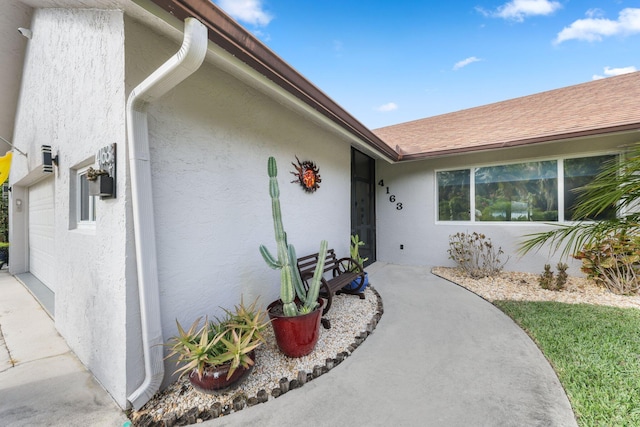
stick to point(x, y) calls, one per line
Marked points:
point(616, 187)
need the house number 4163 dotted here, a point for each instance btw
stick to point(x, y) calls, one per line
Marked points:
point(392, 197)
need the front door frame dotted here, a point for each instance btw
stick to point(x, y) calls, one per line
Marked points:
point(363, 202)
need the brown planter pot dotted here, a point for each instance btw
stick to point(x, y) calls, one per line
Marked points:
point(296, 336)
point(214, 378)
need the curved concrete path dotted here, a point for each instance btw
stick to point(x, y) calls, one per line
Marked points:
point(440, 356)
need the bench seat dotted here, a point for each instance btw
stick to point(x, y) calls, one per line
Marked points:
point(343, 272)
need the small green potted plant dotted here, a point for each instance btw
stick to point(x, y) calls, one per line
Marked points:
point(219, 354)
point(296, 316)
point(358, 285)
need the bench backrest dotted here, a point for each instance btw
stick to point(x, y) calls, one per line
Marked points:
point(307, 264)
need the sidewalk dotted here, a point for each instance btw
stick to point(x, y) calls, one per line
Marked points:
point(42, 383)
point(440, 356)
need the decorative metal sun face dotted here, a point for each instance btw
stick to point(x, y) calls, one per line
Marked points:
point(307, 174)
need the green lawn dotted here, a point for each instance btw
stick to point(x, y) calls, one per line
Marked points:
point(595, 351)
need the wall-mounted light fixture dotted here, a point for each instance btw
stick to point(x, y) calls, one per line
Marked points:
point(47, 160)
point(25, 32)
point(102, 181)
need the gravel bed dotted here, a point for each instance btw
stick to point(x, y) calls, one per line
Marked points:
point(352, 319)
point(516, 286)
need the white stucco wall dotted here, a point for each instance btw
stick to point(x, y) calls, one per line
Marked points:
point(73, 98)
point(12, 45)
point(210, 139)
point(426, 242)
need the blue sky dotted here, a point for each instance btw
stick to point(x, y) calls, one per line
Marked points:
point(388, 62)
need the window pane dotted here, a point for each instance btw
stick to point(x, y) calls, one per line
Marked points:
point(86, 202)
point(454, 196)
point(519, 192)
point(577, 173)
point(84, 199)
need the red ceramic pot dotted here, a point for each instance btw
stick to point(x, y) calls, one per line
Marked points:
point(296, 336)
point(214, 378)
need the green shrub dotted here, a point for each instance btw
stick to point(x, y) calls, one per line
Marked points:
point(613, 262)
point(475, 254)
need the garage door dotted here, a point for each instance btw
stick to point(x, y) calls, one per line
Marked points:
point(41, 232)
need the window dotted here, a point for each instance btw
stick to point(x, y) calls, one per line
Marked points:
point(520, 192)
point(454, 195)
point(577, 173)
point(86, 207)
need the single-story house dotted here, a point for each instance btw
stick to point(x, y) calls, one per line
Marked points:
point(505, 169)
point(181, 107)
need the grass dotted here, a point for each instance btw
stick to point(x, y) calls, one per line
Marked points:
point(595, 351)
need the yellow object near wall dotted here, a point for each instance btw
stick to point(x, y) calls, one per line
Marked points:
point(5, 166)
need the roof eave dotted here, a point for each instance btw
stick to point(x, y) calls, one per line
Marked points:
point(233, 38)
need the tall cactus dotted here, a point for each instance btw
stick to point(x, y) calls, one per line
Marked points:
point(290, 281)
point(314, 290)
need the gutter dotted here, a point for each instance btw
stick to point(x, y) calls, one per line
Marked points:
point(180, 66)
point(243, 46)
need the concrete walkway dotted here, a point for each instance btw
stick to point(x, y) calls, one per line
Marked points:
point(440, 356)
point(42, 383)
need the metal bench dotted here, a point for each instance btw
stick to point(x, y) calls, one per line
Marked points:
point(343, 270)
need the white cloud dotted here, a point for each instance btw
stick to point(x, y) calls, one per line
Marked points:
point(247, 11)
point(517, 10)
point(608, 72)
point(465, 62)
point(595, 13)
point(391, 106)
point(595, 28)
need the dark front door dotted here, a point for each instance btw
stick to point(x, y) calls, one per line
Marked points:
point(363, 206)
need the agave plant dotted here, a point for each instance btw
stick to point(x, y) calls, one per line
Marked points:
point(227, 340)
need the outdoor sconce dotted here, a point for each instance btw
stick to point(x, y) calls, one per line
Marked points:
point(47, 160)
point(102, 181)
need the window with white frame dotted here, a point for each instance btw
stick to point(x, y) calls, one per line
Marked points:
point(580, 172)
point(85, 203)
point(519, 192)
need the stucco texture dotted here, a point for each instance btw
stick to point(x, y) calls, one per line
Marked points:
point(426, 241)
point(72, 98)
point(210, 139)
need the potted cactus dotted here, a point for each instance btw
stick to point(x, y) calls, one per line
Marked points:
point(295, 317)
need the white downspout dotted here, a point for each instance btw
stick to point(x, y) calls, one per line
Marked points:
point(180, 66)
